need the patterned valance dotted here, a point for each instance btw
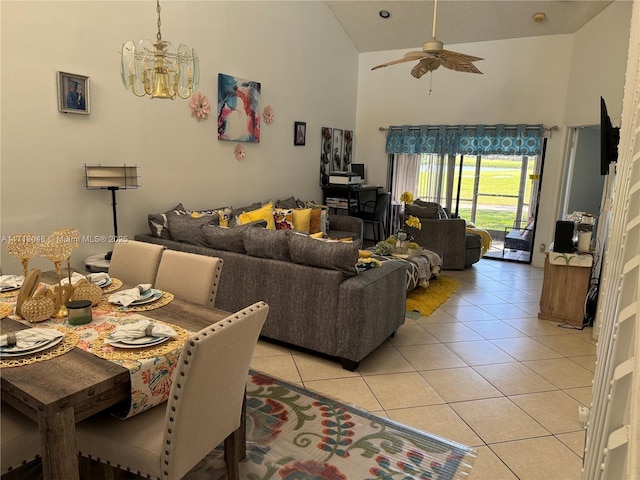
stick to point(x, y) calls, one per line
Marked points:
point(466, 139)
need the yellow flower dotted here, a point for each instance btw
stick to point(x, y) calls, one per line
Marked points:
point(414, 222)
point(406, 197)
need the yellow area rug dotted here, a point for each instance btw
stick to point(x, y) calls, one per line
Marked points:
point(426, 299)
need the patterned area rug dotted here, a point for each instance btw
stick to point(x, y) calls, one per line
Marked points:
point(294, 434)
point(426, 300)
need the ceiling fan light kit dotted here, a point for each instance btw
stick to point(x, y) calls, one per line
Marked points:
point(434, 56)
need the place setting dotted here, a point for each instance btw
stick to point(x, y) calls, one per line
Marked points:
point(10, 284)
point(34, 344)
point(107, 283)
point(142, 297)
point(141, 339)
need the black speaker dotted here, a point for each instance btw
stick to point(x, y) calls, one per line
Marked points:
point(563, 239)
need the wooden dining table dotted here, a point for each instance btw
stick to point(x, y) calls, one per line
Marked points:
point(58, 392)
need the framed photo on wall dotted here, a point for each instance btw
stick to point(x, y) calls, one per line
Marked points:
point(299, 133)
point(73, 93)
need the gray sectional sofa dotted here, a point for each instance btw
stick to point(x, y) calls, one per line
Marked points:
point(317, 298)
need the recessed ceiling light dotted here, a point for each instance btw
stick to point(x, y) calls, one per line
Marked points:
point(384, 14)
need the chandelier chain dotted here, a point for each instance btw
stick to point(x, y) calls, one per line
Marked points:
point(159, 35)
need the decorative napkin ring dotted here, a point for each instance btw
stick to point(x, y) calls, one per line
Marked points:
point(11, 339)
point(148, 332)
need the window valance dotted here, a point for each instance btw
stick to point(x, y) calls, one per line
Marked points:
point(499, 139)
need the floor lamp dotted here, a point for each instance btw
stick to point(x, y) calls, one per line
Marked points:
point(112, 178)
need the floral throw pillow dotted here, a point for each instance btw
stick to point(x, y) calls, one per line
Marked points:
point(283, 218)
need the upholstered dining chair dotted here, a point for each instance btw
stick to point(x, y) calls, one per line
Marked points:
point(20, 439)
point(204, 407)
point(135, 262)
point(190, 276)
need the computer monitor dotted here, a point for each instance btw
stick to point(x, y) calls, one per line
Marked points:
point(358, 169)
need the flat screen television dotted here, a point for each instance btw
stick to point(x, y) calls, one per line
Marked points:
point(609, 138)
point(358, 169)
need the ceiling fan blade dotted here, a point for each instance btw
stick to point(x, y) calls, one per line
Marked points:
point(461, 67)
point(408, 57)
point(458, 57)
point(426, 65)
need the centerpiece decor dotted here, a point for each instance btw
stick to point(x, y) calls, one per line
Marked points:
point(401, 243)
point(54, 249)
point(23, 246)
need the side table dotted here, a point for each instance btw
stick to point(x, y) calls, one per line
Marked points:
point(96, 263)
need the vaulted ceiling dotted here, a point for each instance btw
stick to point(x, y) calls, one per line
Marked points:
point(458, 21)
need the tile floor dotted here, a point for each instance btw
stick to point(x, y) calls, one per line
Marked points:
point(482, 370)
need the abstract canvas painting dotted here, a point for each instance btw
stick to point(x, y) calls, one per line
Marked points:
point(238, 109)
point(336, 151)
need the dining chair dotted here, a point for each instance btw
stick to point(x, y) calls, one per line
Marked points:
point(20, 440)
point(135, 262)
point(204, 407)
point(375, 212)
point(189, 276)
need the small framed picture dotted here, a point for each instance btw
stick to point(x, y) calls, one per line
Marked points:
point(73, 93)
point(299, 133)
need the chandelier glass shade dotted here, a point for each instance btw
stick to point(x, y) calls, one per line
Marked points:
point(158, 69)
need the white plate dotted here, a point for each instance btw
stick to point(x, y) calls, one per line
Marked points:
point(104, 283)
point(148, 297)
point(52, 343)
point(9, 288)
point(150, 342)
point(16, 349)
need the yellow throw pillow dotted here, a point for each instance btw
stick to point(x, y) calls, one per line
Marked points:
point(263, 213)
point(364, 253)
point(301, 219)
point(316, 235)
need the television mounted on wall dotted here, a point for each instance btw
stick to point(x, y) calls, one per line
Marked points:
point(609, 138)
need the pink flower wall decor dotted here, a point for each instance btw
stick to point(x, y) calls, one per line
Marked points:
point(239, 152)
point(268, 115)
point(200, 107)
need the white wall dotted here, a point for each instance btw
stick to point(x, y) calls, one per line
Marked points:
point(305, 62)
point(527, 80)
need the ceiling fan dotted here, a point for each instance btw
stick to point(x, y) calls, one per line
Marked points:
point(433, 56)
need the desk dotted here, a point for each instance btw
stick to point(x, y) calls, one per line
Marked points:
point(58, 392)
point(349, 193)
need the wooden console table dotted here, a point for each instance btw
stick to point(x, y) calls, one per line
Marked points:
point(564, 293)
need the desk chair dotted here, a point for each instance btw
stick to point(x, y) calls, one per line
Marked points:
point(135, 262)
point(204, 407)
point(374, 212)
point(189, 276)
point(20, 440)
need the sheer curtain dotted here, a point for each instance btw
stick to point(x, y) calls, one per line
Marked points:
point(406, 171)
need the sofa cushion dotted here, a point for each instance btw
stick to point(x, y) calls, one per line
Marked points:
point(424, 210)
point(341, 256)
point(230, 239)
point(222, 213)
point(262, 213)
point(233, 220)
point(302, 219)
point(158, 221)
point(188, 229)
point(283, 218)
point(261, 242)
point(315, 218)
point(290, 202)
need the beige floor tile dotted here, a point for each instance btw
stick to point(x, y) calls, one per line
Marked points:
point(535, 327)
point(412, 335)
point(575, 441)
point(540, 458)
point(460, 384)
point(587, 361)
point(354, 391)
point(494, 329)
point(479, 353)
point(312, 367)
point(279, 366)
point(505, 311)
point(582, 394)
point(487, 466)
point(384, 360)
point(585, 335)
point(532, 308)
point(438, 420)
point(568, 345)
point(516, 296)
point(402, 390)
point(456, 300)
point(525, 348)
point(498, 420)
point(451, 332)
point(514, 378)
point(431, 357)
point(562, 372)
point(481, 297)
point(439, 316)
point(467, 313)
point(556, 411)
point(268, 349)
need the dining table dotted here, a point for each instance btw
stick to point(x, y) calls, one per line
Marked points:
point(68, 388)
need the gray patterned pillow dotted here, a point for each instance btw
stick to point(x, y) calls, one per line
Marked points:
point(158, 221)
point(229, 239)
point(341, 256)
point(185, 228)
point(423, 211)
point(237, 211)
point(260, 242)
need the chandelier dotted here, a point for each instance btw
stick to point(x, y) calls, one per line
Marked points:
point(159, 69)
